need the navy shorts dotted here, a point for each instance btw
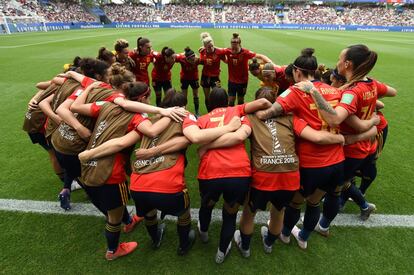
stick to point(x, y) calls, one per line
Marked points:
point(234, 190)
point(209, 81)
point(40, 139)
point(352, 166)
point(193, 83)
point(258, 199)
point(325, 178)
point(161, 85)
point(174, 204)
point(108, 196)
point(237, 89)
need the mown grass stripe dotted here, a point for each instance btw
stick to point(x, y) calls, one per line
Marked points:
point(85, 209)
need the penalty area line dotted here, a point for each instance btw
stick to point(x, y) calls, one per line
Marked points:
point(87, 209)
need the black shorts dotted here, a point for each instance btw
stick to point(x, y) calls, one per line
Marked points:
point(353, 165)
point(71, 165)
point(209, 81)
point(193, 83)
point(237, 89)
point(174, 204)
point(108, 196)
point(325, 178)
point(356, 166)
point(161, 85)
point(41, 140)
point(234, 190)
point(258, 199)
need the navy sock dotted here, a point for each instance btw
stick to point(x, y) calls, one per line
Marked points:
point(324, 222)
point(365, 184)
point(312, 214)
point(245, 240)
point(183, 228)
point(204, 215)
point(330, 210)
point(270, 238)
point(126, 218)
point(196, 104)
point(291, 218)
point(151, 223)
point(227, 229)
point(357, 196)
point(304, 234)
point(112, 233)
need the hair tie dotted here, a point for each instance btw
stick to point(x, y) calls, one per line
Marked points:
point(302, 69)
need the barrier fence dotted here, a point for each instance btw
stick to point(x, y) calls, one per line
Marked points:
point(34, 27)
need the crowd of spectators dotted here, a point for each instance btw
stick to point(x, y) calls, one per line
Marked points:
point(249, 14)
point(307, 14)
point(375, 16)
point(369, 15)
point(66, 11)
point(184, 13)
point(72, 11)
point(130, 13)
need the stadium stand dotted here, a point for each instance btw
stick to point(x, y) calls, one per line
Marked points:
point(235, 13)
point(68, 11)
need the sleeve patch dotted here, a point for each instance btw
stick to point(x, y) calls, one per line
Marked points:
point(347, 99)
point(285, 93)
point(78, 92)
point(100, 103)
point(192, 117)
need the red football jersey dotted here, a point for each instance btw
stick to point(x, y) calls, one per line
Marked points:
point(141, 65)
point(360, 100)
point(166, 181)
point(211, 61)
point(299, 103)
point(226, 162)
point(161, 70)
point(189, 71)
point(238, 65)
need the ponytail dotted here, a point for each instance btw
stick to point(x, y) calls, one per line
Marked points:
point(363, 61)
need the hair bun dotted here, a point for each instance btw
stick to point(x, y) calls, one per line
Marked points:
point(101, 50)
point(117, 68)
point(204, 35)
point(308, 52)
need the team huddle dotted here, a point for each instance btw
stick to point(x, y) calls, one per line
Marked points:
point(312, 131)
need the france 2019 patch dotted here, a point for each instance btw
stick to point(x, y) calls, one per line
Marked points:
point(285, 93)
point(347, 99)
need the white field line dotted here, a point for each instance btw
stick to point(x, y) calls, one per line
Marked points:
point(86, 209)
point(63, 40)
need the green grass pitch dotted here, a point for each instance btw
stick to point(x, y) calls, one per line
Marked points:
point(34, 242)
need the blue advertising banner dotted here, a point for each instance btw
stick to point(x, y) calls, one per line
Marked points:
point(33, 27)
